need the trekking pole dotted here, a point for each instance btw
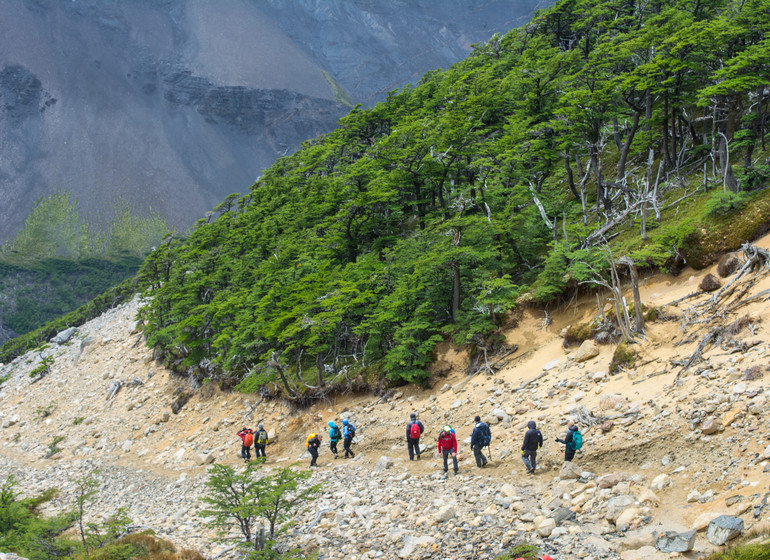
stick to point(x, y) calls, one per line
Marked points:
point(489, 449)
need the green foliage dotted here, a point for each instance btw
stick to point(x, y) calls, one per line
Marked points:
point(77, 421)
point(112, 297)
point(242, 501)
point(26, 533)
point(53, 447)
point(750, 551)
point(755, 177)
point(526, 551)
point(45, 411)
point(42, 369)
point(427, 216)
point(726, 203)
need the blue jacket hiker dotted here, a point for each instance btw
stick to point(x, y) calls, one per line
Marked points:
point(348, 433)
point(335, 434)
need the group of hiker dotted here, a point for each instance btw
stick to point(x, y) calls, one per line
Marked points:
point(481, 438)
point(346, 434)
point(249, 438)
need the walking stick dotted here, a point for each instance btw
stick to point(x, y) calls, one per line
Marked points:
point(489, 449)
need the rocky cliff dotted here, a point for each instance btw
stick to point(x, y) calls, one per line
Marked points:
point(176, 104)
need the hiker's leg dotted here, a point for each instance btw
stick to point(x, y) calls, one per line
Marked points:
point(410, 446)
point(478, 456)
point(533, 459)
point(445, 455)
point(417, 448)
point(569, 454)
point(454, 462)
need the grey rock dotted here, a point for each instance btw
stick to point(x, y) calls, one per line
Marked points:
point(64, 335)
point(562, 514)
point(671, 541)
point(383, 463)
point(723, 529)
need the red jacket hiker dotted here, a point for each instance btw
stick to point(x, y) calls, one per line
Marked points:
point(247, 436)
point(447, 442)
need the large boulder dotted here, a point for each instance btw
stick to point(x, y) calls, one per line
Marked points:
point(723, 529)
point(589, 349)
point(569, 471)
point(710, 283)
point(728, 264)
point(671, 541)
point(661, 482)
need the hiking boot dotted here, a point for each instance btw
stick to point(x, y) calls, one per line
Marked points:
point(418, 456)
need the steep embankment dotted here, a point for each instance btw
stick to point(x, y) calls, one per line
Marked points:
point(658, 455)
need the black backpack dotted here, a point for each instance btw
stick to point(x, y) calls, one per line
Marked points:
point(336, 434)
point(486, 435)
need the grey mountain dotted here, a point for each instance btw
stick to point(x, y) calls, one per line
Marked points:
point(174, 104)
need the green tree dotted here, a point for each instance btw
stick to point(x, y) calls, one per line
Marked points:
point(247, 499)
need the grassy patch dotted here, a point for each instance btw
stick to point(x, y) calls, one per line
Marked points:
point(526, 551)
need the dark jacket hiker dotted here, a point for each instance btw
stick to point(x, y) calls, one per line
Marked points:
point(480, 438)
point(572, 442)
point(533, 440)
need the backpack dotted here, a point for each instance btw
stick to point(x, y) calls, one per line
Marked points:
point(336, 434)
point(351, 431)
point(414, 431)
point(445, 437)
point(309, 438)
point(577, 440)
point(486, 434)
point(248, 440)
point(262, 437)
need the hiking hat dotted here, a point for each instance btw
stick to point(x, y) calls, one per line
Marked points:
point(477, 419)
point(261, 426)
point(447, 429)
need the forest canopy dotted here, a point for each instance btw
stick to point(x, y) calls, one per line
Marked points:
point(501, 179)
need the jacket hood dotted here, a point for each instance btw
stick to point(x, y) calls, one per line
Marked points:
point(345, 422)
point(573, 428)
point(331, 423)
point(413, 416)
point(531, 425)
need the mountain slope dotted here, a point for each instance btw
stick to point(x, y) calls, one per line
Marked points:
point(174, 105)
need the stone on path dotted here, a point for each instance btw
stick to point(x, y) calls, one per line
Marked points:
point(383, 463)
point(671, 541)
point(589, 349)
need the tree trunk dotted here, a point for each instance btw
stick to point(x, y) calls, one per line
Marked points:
point(319, 364)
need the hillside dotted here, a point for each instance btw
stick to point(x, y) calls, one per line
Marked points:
point(674, 455)
point(174, 105)
point(600, 134)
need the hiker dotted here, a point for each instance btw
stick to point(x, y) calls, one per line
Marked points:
point(334, 436)
point(447, 445)
point(480, 438)
point(247, 438)
point(348, 433)
point(261, 441)
point(572, 441)
point(533, 440)
point(313, 444)
point(414, 430)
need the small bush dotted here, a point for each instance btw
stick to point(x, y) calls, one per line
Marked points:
point(755, 177)
point(726, 203)
point(624, 357)
point(577, 334)
point(526, 551)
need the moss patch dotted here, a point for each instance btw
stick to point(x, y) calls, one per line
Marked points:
point(623, 358)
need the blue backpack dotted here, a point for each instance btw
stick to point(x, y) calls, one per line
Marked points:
point(577, 440)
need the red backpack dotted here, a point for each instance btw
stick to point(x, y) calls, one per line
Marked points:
point(414, 431)
point(248, 439)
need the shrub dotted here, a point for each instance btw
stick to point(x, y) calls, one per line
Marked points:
point(624, 357)
point(755, 177)
point(725, 203)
